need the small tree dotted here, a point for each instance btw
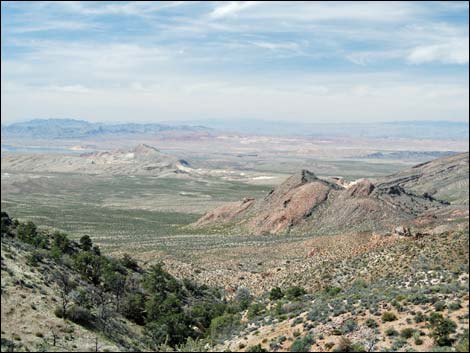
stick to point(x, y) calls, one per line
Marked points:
point(90, 266)
point(85, 243)
point(66, 285)
point(441, 328)
point(116, 284)
point(243, 297)
point(61, 242)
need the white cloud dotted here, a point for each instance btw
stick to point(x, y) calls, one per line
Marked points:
point(454, 52)
point(369, 57)
point(276, 45)
point(231, 8)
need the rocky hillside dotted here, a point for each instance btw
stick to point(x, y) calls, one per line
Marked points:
point(140, 160)
point(305, 203)
point(444, 178)
point(62, 295)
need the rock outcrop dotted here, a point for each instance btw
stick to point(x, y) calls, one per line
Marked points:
point(307, 204)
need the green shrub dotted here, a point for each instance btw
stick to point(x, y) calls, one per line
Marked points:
point(390, 332)
point(462, 345)
point(256, 348)
point(255, 310)
point(294, 292)
point(371, 323)
point(420, 317)
point(332, 291)
point(80, 316)
point(407, 332)
point(441, 328)
point(59, 312)
point(388, 316)
point(349, 326)
point(440, 305)
point(224, 325)
point(276, 294)
point(133, 307)
point(302, 344)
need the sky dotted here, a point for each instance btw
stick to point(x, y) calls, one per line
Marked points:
point(180, 61)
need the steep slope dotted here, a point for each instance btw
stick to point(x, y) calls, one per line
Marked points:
point(141, 160)
point(282, 208)
point(444, 178)
point(307, 204)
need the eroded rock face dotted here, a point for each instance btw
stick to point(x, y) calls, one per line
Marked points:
point(361, 188)
point(282, 208)
point(288, 208)
point(402, 231)
point(307, 204)
point(225, 213)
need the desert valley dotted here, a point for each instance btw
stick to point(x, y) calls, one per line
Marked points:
point(234, 176)
point(346, 232)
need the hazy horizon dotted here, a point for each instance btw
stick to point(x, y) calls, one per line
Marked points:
point(308, 62)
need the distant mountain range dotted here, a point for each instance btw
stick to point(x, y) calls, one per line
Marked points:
point(71, 128)
point(440, 130)
point(413, 155)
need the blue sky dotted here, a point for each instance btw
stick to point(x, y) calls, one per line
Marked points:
point(297, 61)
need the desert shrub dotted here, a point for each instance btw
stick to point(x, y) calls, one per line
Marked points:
point(332, 291)
point(417, 298)
point(349, 326)
point(329, 345)
point(388, 316)
point(294, 292)
point(417, 338)
point(419, 317)
point(462, 345)
point(398, 343)
point(81, 296)
point(80, 316)
point(254, 310)
point(224, 325)
point(371, 323)
point(407, 332)
point(439, 306)
point(441, 328)
point(276, 294)
point(390, 332)
point(35, 257)
point(256, 348)
point(454, 306)
point(243, 297)
point(302, 344)
point(59, 312)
